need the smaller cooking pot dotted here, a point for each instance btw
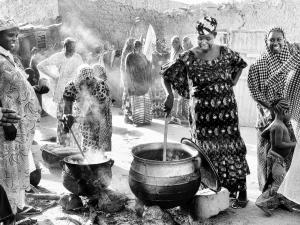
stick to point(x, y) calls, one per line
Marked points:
point(86, 179)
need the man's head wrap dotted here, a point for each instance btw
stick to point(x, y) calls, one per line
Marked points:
point(7, 23)
point(207, 25)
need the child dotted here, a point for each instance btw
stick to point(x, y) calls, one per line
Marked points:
point(281, 146)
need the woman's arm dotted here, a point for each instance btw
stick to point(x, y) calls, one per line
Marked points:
point(237, 76)
point(68, 106)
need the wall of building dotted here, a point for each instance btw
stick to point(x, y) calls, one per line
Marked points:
point(158, 5)
point(30, 11)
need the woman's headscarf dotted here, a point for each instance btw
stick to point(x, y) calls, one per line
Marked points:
point(207, 25)
point(85, 73)
point(275, 61)
point(7, 23)
point(267, 65)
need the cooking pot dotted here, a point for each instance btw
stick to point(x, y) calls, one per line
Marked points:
point(173, 182)
point(83, 178)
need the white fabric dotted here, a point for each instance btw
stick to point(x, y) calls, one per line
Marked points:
point(290, 186)
point(63, 71)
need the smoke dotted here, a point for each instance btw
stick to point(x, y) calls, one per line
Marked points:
point(87, 39)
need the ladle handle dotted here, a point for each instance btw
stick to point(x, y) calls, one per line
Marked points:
point(165, 138)
point(75, 139)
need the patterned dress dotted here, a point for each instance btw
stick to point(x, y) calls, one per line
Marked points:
point(214, 116)
point(16, 93)
point(93, 111)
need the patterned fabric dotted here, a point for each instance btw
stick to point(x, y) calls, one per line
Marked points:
point(270, 198)
point(126, 105)
point(261, 71)
point(207, 25)
point(7, 23)
point(290, 187)
point(158, 97)
point(213, 109)
point(141, 109)
point(259, 74)
point(93, 110)
point(16, 93)
point(66, 69)
point(157, 92)
point(99, 71)
point(63, 138)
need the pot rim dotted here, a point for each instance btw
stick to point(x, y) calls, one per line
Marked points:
point(65, 160)
point(194, 153)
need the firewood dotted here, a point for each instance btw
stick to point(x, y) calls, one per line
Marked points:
point(76, 222)
point(46, 196)
point(91, 219)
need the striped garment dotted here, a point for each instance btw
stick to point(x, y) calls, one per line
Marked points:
point(141, 109)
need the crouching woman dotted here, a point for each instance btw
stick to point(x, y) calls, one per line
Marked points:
point(87, 99)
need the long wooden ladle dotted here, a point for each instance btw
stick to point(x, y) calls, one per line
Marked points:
point(165, 138)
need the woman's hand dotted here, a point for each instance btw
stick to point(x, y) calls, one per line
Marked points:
point(168, 104)
point(8, 116)
point(68, 121)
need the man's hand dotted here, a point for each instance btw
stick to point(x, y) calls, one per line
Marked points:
point(8, 116)
point(168, 104)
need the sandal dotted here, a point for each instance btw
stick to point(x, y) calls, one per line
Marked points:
point(239, 204)
point(29, 210)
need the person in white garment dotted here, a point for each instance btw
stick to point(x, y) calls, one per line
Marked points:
point(62, 68)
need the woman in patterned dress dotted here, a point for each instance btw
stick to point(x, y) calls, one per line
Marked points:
point(206, 75)
point(137, 83)
point(92, 109)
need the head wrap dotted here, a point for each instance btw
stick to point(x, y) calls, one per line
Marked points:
point(7, 23)
point(259, 73)
point(207, 25)
point(272, 64)
point(85, 73)
point(99, 72)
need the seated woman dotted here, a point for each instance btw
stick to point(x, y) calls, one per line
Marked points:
point(92, 108)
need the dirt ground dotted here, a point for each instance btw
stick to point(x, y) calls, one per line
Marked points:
point(124, 138)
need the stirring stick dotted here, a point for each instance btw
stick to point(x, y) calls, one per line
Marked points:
point(78, 145)
point(165, 139)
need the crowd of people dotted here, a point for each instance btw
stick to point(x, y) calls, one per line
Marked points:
point(195, 84)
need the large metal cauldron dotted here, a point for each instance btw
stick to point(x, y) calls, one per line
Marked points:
point(165, 183)
point(86, 179)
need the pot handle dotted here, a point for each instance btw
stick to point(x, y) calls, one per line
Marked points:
point(61, 163)
point(197, 162)
point(111, 162)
